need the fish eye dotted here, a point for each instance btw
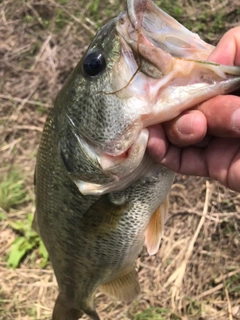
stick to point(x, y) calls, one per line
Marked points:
point(94, 63)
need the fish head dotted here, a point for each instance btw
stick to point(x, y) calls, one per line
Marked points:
point(93, 123)
point(142, 68)
point(87, 102)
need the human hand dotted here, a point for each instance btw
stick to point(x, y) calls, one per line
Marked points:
point(205, 141)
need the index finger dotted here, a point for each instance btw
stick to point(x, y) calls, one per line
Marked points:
point(228, 49)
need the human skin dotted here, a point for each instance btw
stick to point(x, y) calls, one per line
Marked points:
point(205, 141)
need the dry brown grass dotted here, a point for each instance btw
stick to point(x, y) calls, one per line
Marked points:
point(196, 274)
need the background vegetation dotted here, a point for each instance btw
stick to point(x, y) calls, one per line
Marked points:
point(196, 274)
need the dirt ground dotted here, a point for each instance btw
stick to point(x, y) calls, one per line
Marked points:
point(196, 273)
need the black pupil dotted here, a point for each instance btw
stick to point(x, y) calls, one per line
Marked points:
point(94, 63)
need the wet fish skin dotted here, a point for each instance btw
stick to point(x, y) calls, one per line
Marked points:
point(91, 239)
point(96, 125)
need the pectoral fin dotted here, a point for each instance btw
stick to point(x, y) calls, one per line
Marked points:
point(155, 228)
point(124, 288)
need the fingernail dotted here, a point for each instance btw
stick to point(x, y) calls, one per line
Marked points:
point(236, 120)
point(184, 126)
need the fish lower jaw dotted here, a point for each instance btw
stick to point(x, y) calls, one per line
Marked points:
point(133, 165)
point(108, 161)
point(129, 159)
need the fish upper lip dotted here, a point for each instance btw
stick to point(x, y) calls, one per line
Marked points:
point(145, 23)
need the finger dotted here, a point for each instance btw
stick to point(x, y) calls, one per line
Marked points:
point(234, 173)
point(189, 161)
point(223, 116)
point(223, 162)
point(187, 129)
point(220, 161)
point(228, 49)
point(157, 142)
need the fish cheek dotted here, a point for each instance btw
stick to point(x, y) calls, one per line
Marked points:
point(67, 148)
point(76, 161)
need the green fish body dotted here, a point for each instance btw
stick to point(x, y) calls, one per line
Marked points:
point(99, 196)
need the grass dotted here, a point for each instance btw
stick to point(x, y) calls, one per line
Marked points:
point(13, 195)
point(93, 6)
point(155, 314)
point(24, 244)
point(12, 191)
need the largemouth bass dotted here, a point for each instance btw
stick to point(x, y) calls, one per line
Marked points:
point(99, 196)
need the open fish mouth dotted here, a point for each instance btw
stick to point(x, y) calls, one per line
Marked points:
point(123, 169)
point(165, 71)
point(145, 24)
point(165, 32)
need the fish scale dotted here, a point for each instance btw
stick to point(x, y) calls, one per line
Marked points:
point(86, 231)
point(99, 196)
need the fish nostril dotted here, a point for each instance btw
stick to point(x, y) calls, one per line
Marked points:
point(122, 21)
